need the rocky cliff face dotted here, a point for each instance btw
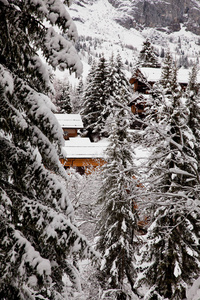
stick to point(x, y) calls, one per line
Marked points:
point(165, 15)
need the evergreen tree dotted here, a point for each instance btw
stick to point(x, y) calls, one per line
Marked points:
point(89, 111)
point(161, 92)
point(38, 238)
point(63, 98)
point(102, 93)
point(118, 217)
point(170, 258)
point(78, 97)
point(162, 53)
point(122, 85)
point(193, 105)
point(147, 56)
point(105, 81)
point(94, 101)
point(118, 87)
point(167, 72)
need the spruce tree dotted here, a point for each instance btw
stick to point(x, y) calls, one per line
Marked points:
point(78, 97)
point(161, 91)
point(38, 238)
point(95, 99)
point(105, 81)
point(89, 110)
point(167, 72)
point(193, 105)
point(118, 217)
point(102, 92)
point(118, 88)
point(121, 85)
point(147, 56)
point(170, 257)
point(63, 99)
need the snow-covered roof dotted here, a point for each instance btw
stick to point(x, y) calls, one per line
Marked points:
point(140, 97)
point(79, 147)
point(70, 120)
point(154, 74)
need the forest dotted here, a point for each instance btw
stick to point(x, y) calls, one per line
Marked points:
point(127, 230)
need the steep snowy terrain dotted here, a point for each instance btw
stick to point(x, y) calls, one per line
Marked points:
point(98, 21)
point(100, 32)
point(167, 15)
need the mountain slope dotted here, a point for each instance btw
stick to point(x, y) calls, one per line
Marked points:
point(98, 19)
point(167, 15)
point(109, 26)
point(101, 18)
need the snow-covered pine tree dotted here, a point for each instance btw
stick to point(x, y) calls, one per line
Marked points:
point(193, 105)
point(95, 99)
point(170, 258)
point(78, 97)
point(121, 86)
point(88, 110)
point(147, 56)
point(118, 217)
point(105, 80)
point(102, 92)
point(157, 100)
point(63, 97)
point(118, 87)
point(167, 71)
point(38, 237)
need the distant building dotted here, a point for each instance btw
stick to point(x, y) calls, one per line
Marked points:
point(143, 78)
point(83, 155)
point(79, 152)
point(70, 124)
point(142, 81)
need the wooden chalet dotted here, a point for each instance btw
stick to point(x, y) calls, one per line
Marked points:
point(142, 81)
point(83, 155)
point(70, 124)
point(139, 81)
point(79, 152)
point(138, 104)
point(143, 78)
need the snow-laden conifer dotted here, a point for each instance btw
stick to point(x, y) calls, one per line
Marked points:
point(118, 217)
point(147, 56)
point(78, 97)
point(119, 90)
point(63, 96)
point(95, 99)
point(38, 237)
point(193, 105)
point(89, 110)
point(167, 71)
point(170, 257)
point(104, 81)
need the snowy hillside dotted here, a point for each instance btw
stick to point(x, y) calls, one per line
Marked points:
point(100, 33)
point(98, 21)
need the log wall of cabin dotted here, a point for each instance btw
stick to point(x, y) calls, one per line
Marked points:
point(69, 132)
point(82, 165)
point(82, 162)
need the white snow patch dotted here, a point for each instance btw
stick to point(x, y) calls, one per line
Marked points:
point(177, 270)
point(32, 281)
point(193, 293)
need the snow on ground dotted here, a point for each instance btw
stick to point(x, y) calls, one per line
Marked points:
point(193, 293)
point(100, 22)
point(80, 147)
point(97, 21)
